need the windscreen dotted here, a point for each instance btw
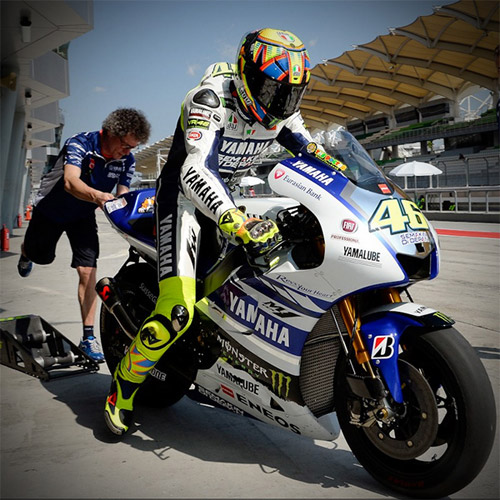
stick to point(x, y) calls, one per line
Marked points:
point(360, 168)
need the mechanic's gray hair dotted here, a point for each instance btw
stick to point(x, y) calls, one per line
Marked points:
point(125, 121)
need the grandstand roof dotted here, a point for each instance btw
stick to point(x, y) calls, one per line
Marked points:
point(441, 55)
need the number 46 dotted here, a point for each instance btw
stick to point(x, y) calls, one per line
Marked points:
point(398, 215)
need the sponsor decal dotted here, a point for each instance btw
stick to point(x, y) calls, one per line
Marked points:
point(301, 186)
point(414, 237)
point(361, 254)
point(343, 237)
point(235, 357)
point(246, 385)
point(349, 226)
point(113, 205)
point(279, 172)
point(202, 189)
point(250, 132)
point(204, 114)
point(232, 122)
point(280, 383)
point(197, 123)
point(194, 135)
point(157, 374)
point(243, 94)
point(267, 413)
point(147, 206)
point(165, 246)
point(243, 148)
point(218, 400)
point(313, 149)
point(91, 163)
point(301, 288)
point(317, 174)
point(148, 293)
point(384, 188)
point(191, 249)
point(286, 36)
point(443, 317)
point(277, 310)
point(235, 153)
point(383, 347)
point(226, 390)
point(105, 292)
point(262, 324)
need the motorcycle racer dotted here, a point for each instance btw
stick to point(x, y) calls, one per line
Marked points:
point(235, 113)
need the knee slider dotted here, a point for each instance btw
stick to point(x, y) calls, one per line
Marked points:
point(157, 332)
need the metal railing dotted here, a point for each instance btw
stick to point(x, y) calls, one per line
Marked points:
point(471, 199)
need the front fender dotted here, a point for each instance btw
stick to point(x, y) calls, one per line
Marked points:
point(382, 328)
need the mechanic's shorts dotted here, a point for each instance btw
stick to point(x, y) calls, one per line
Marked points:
point(43, 233)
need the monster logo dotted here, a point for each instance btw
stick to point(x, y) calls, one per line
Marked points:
point(281, 383)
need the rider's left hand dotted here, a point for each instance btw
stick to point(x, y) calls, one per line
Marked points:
point(258, 235)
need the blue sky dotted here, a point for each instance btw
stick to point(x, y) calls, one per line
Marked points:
point(148, 54)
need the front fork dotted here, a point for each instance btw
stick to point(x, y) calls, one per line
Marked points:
point(352, 321)
point(369, 386)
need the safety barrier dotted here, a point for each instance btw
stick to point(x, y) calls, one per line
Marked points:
point(471, 199)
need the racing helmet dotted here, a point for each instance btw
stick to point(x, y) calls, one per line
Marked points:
point(273, 70)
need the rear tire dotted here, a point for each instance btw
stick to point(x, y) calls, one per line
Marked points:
point(465, 426)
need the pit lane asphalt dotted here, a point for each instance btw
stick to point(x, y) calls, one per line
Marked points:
point(54, 443)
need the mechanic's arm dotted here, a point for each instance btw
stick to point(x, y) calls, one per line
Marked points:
point(121, 189)
point(77, 188)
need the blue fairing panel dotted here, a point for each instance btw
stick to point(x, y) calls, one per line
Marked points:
point(137, 217)
point(381, 334)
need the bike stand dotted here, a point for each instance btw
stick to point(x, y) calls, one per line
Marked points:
point(31, 345)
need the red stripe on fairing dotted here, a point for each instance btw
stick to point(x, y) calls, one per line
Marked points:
point(472, 234)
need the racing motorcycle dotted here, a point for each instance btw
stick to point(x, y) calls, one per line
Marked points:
point(320, 334)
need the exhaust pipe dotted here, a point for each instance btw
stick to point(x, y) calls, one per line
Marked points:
point(110, 295)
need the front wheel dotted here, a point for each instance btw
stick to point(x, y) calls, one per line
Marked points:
point(441, 436)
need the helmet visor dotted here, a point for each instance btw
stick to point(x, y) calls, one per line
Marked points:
point(279, 99)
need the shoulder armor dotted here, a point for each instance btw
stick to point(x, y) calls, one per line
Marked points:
point(207, 97)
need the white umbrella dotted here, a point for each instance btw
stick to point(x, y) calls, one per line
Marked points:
point(250, 181)
point(415, 169)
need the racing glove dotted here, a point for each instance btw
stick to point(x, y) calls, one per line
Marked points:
point(258, 235)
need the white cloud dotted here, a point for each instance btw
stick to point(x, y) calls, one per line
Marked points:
point(193, 69)
point(100, 89)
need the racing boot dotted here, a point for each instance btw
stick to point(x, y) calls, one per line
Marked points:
point(156, 335)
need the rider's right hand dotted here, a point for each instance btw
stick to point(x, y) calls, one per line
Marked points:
point(258, 235)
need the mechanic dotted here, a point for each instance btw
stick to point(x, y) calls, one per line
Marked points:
point(89, 166)
point(235, 113)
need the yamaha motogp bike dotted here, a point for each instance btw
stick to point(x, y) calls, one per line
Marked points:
point(320, 334)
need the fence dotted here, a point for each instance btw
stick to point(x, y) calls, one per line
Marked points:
point(472, 199)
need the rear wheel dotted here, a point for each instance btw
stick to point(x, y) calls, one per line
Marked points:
point(139, 289)
point(441, 436)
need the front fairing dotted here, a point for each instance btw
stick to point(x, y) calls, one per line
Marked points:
point(374, 235)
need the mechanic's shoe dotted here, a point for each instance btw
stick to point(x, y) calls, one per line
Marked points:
point(118, 411)
point(91, 347)
point(24, 267)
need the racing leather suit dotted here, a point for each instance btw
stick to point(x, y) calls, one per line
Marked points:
point(214, 142)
